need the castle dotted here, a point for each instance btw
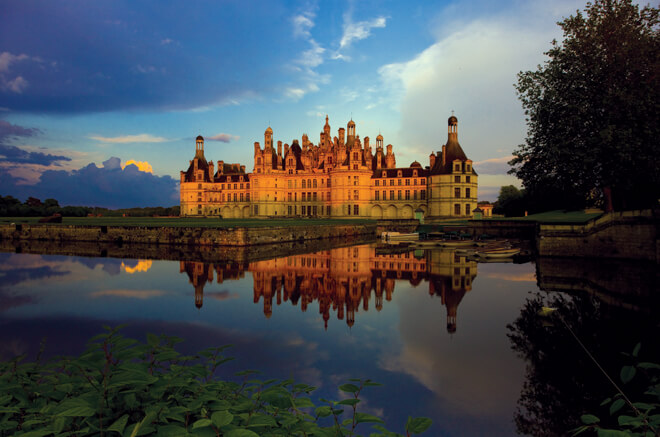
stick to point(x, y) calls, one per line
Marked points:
point(340, 177)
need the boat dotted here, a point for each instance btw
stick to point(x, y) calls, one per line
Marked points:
point(398, 236)
point(457, 243)
point(498, 253)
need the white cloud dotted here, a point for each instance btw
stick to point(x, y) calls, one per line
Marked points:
point(359, 30)
point(17, 84)
point(223, 138)
point(166, 41)
point(141, 138)
point(493, 165)
point(6, 59)
point(302, 24)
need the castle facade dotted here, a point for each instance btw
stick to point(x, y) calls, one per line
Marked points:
point(340, 177)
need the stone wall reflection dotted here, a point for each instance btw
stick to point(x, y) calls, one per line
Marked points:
point(343, 281)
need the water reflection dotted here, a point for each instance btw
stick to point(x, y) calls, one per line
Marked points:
point(344, 281)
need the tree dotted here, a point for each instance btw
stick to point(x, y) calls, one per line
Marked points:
point(592, 111)
point(510, 202)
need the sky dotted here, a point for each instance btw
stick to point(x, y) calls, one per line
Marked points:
point(100, 102)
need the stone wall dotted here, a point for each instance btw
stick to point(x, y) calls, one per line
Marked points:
point(629, 234)
point(182, 236)
point(503, 228)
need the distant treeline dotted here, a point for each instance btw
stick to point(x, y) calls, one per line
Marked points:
point(33, 207)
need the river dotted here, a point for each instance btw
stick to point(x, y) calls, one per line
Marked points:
point(451, 339)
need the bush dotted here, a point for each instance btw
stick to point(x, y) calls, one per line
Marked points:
point(119, 384)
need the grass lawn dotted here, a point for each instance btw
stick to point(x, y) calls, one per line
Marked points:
point(187, 222)
point(557, 216)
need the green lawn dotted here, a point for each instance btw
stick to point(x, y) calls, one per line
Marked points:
point(188, 222)
point(557, 216)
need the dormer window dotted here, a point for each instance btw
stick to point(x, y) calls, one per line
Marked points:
point(398, 174)
point(467, 167)
point(384, 174)
point(457, 167)
point(415, 174)
point(241, 179)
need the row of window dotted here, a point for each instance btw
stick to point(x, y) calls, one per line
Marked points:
point(457, 179)
point(401, 182)
point(457, 209)
point(237, 186)
point(400, 195)
point(457, 193)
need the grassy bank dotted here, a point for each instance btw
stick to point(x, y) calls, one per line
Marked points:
point(150, 222)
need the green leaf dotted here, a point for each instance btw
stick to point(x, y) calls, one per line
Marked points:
point(152, 340)
point(611, 433)
point(589, 419)
point(627, 373)
point(629, 420)
point(241, 433)
point(638, 346)
point(323, 411)
point(350, 402)
point(605, 402)
point(221, 418)
point(119, 424)
point(349, 388)
point(645, 365)
point(201, 423)
point(418, 425)
point(171, 431)
point(364, 417)
point(81, 411)
point(616, 405)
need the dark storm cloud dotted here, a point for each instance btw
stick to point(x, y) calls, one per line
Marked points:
point(108, 186)
point(17, 155)
point(80, 56)
point(13, 130)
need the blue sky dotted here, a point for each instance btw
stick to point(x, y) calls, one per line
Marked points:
point(83, 82)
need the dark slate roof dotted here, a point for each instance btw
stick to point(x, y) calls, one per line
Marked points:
point(453, 151)
point(406, 172)
point(297, 152)
point(235, 177)
point(201, 165)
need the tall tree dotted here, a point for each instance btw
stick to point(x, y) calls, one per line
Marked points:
point(593, 111)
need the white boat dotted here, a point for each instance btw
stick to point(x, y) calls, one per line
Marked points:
point(398, 236)
point(499, 253)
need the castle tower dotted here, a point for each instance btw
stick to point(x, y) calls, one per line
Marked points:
point(199, 145)
point(350, 127)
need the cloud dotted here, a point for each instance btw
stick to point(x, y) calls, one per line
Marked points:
point(141, 165)
point(493, 165)
point(16, 85)
point(223, 138)
point(130, 294)
point(110, 186)
point(6, 59)
point(13, 130)
point(16, 155)
point(141, 138)
point(142, 265)
point(166, 41)
point(359, 30)
point(302, 24)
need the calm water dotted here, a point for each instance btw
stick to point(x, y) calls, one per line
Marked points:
point(451, 339)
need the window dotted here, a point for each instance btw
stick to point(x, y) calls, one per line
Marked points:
point(398, 181)
point(304, 208)
point(377, 194)
point(415, 195)
point(457, 192)
point(391, 182)
point(399, 195)
point(247, 197)
point(314, 183)
point(384, 174)
point(304, 197)
point(328, 196)
point(223, 197)
point(314, 194)
point(314, 213)
point(356, 209)
point(304, 184)
point(328, 208)
point(407, 194)
point(349, 210)
point(241, 186)
point(407, 181)
point(289, 197)
point(398, 174)
point(355, 166)
point(309, 183)
point(422, 181)
point(457, 209)
point(289, 209)
point(467, 193)
point(355, 156)
point(377, 182)
point(467, 179)
point(222, 186)
point(348, 195)
point(355, 180)
point(422, 194)
point(247, 185)
point(384, 195)
point(391, 194)
point(289, 183)
point(467, 167)
point(356, 195)
point(328, 183)
point(241, 197)
point(235, 186)
point(258, 163)
point(457, 167)
point(457, 179)
point(467, 209)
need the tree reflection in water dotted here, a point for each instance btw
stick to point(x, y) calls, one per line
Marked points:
point(562, 382)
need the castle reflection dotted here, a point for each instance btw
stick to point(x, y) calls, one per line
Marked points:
point(344, 280)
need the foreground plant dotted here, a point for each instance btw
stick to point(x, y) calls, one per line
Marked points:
point(120, 386)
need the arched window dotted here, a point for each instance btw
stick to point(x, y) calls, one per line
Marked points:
point(304, 185)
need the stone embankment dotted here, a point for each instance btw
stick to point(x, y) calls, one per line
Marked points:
point(626, 235)
point(183, 236)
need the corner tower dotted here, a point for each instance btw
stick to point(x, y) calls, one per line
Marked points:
point(452, 179)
